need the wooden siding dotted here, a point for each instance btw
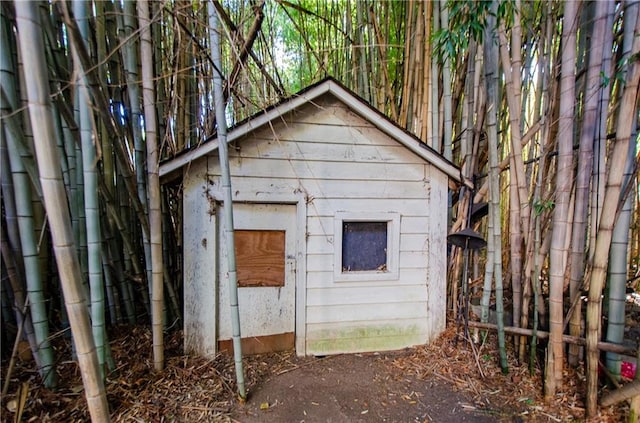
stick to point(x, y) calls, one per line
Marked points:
point(338, 162)
point(343, 163)
point(437, 255)
point(200, 264)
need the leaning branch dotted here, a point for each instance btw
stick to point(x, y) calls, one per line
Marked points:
point(627, 391)
point(568, 339)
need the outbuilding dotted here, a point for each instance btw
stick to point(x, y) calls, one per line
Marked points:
point(340, 224)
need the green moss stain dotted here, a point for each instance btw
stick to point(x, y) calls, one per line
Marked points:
point(363, 338)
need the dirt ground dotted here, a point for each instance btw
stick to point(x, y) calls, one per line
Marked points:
point(446, 381)
point(355, 388)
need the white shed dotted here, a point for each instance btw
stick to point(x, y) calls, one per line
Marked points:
point(341, 225)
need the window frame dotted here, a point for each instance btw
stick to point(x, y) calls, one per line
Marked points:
point(392, 271)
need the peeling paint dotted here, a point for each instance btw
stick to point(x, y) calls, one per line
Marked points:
point(211, 200)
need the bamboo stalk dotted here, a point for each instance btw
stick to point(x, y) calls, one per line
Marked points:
point(627, 108)
point(102, 102)
point(14, 351)
point(11, 249)
point(131, 66)
point(618, 257)
point(564, 178)
point(25, 214)
point(55, 200)
point(567, 339)
point(491, 83)
point(227, 203)
point(91, 206)
point(407, 66)
point(386, 83)
point(433, 120)
point(153, 184)
point(594, 90)
point(627, 391)
point(446, 90)
point(518, 199)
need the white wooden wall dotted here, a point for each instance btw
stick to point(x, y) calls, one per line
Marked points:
point(437, 269)
point(341, 163)
point(200, 263)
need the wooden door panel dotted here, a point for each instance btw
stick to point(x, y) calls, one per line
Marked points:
point(260, 258)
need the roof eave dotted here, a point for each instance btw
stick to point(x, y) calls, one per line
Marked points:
point(243, 129)
point(385, 125)
point(308, 96)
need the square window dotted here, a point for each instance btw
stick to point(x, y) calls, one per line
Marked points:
point(364, 246)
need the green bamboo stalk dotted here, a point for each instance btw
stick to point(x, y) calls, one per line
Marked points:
point(628, 106)
point(434, 85)
point(71, 181)
point(593, 91)
point(60, 140)
point(90, 184)
point(122, 262)
point(112, 303)
point(162, 49)
point(155, 213)
point(55, 200)
point(618, 263)
point(24, 210)
point(617, 273)
point(12, 128)
point(128, 25)
point(446, 90)
point(166, 255)
point(10, 250)
point(81, 229)
point(599, 177)
point(102, 103)
point(491, 80)
point(227, 199)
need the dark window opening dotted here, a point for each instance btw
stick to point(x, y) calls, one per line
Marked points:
point(364, 246)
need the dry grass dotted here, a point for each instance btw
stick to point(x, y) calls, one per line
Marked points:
point(193, 389)
point(476, 372)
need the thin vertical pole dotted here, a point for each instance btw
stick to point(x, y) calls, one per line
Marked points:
point(227, 199)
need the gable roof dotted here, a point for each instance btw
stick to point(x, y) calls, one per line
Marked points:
point(308, 95)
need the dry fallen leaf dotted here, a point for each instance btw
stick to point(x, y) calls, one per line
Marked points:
point(12, 405)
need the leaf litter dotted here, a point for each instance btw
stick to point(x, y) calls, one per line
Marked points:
point(197, 389)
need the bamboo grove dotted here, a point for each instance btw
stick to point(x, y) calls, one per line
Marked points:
point(536, 102)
